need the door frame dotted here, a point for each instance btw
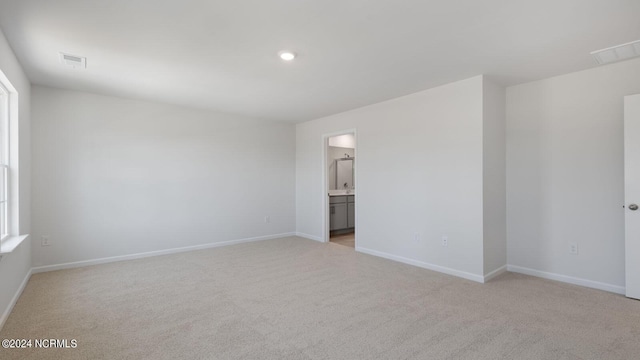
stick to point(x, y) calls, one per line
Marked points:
point(325, 183)
point(632, 246)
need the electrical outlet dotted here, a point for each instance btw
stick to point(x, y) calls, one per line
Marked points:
point(267, 219)
point(45, 241)
point(445, 240)
point(573, 248)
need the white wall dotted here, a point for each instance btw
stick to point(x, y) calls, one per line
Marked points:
point(494, 177)
point(343, 141)
point(565, 173)
point(419, 170)
point(115, 177)
point(15, 266)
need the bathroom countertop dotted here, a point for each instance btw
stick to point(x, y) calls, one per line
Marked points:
point(341, 192)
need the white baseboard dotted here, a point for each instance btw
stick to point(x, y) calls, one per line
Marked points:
point(568, 279)
point(438, 268)
point(499, 271)
point(310, 237)
point(12, 303)
point(82, 263)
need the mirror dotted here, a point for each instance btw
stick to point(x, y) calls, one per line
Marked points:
point(344, 174)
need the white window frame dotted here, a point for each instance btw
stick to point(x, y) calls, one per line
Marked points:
point(5, 111)
point(10, 237)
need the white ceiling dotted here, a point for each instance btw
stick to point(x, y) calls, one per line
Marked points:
point(222, 55)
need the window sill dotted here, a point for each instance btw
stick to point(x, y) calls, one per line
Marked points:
point(11, 243)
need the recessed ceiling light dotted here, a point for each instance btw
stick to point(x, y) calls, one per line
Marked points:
point(617, 53)
point(287, 55)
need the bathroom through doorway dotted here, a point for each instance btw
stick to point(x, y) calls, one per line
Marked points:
point(340, 165)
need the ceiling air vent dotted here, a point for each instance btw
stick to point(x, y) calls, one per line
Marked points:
point(617, 53)
point(76, 62)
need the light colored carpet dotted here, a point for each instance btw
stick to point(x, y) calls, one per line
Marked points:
point(297, 299)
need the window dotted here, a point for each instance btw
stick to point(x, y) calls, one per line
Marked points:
point(10, 237)
point(4, 162)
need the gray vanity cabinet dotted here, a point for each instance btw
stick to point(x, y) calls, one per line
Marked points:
point(341, 212)
point(351, 212)
point(338, 216)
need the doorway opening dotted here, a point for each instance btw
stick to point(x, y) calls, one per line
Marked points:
point(340, 194)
